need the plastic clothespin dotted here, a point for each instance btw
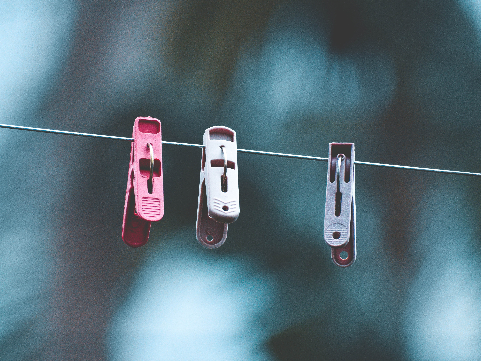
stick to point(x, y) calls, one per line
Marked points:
point(144, 197)
point(340, 216)
point(218, 202)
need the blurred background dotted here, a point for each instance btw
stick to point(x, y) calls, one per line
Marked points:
point(400, 79)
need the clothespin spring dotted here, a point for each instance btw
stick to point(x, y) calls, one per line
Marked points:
point(223, 177)
point(151, 178)
point(340, 158)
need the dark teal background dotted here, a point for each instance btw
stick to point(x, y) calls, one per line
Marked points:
point(400, 79)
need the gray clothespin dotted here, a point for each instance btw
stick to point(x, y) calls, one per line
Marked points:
point(340, 214)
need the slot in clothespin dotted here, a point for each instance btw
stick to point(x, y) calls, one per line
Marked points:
point(218, 202)
point(340, 211)
point(144, 197)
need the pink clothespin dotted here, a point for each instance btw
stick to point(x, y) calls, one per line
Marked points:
point(144, 198)
point(340, 213)
point(218, 202)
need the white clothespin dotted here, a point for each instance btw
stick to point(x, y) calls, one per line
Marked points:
point(218, 202)
point(340, 212)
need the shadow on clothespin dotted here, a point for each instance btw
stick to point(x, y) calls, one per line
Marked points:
point(340, 212)
point(218, 202)
point(144, 198)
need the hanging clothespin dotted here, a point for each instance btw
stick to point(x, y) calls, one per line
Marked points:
point(340, 212)
point(144, 198)
point(218, 202)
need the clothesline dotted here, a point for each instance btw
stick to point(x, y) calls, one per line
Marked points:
point(284, 155)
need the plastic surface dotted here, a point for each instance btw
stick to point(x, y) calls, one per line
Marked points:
point(218, 202)
point(144, 198)
point(340, 210)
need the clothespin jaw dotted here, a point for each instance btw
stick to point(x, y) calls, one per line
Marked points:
point(340, 210)
point(218, 202)
point(144, 199)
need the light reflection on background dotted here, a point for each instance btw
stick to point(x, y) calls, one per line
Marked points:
point(191, 306)
point(442, 317)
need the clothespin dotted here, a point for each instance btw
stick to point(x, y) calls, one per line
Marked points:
point(144, 197)
point(340, 214)
point(218, 202)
